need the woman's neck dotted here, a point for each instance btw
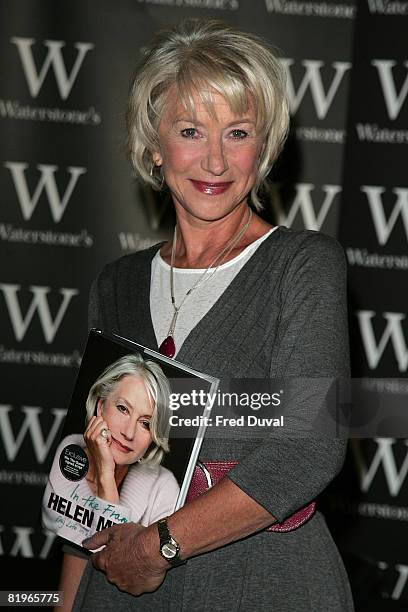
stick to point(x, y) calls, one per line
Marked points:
point(120, 473)
point(200, 242)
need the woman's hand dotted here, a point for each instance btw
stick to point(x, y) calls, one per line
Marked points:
point(131, 557)
point(102, 462)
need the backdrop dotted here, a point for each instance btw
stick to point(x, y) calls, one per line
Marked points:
point(69, 204)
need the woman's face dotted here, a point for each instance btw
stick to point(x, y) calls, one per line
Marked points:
point(127, 412)
point(209, 162)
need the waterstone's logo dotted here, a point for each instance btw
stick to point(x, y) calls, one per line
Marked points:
point(311, 9)
point(54, 60)
point(383, 461)
point(310, 207)
point(388, 7)
point(38, 306)
point(379, 200)
point(44, 311)
point(221, 5)
point(45, 189)
point(393, 99)
point(30, 426)
point(46, 184)
point(392, 77)
point(391, 334)
point(36, 73)
point(318, 84)
point(382, 225)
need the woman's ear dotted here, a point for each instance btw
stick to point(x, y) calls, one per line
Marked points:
point(99, 407)
point(157, 159)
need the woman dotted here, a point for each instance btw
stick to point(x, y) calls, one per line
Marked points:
point(236, 298)
point(126, 437)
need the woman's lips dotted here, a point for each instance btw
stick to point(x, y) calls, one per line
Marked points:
point(211, 188)
point(121, 447)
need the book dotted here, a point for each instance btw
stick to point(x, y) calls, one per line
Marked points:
point(130, 441)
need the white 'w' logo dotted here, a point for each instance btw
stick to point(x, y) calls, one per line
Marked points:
point(39, 304)
point(35, 79)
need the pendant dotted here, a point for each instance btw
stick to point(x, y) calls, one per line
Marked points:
point(167, 347)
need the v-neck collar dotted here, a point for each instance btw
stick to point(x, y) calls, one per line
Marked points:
point(196, 343)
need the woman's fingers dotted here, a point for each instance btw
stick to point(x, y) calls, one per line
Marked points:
point(99, 446)
point(95, 425)
point(97, 431)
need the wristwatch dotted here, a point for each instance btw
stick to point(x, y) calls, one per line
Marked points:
point(169, 548)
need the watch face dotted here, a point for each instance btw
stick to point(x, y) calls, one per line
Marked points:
point(169, 550)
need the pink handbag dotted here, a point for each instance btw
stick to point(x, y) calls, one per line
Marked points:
point(208, 473)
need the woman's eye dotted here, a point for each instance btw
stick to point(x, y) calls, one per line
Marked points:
point(239, 134)
point(146, 425)
point(122, 408)
point(189, 133)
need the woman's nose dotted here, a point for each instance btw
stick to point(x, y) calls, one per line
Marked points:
point(214, 161)
point(129, 429)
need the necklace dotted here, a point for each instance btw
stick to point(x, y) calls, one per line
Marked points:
point(168, 346)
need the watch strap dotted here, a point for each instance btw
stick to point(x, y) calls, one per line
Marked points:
point(169, 547)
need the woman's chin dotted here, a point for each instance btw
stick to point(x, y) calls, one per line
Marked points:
point(123, 459)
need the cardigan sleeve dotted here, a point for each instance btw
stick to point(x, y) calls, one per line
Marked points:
point(310, 352)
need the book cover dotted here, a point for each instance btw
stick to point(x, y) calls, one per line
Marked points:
point(130, 441)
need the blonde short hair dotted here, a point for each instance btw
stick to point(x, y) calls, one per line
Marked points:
point(158, 389)
point(193, 57)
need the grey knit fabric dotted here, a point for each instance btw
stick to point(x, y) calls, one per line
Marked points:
point(284, 315)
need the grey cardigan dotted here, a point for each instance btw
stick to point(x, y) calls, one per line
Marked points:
point(284, 315)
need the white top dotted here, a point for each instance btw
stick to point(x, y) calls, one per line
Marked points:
point(148, 493)
point(199, 301)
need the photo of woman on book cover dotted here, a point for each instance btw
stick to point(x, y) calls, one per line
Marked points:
point(112, 473)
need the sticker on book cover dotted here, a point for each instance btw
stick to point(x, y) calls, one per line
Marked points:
point(73, 462)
